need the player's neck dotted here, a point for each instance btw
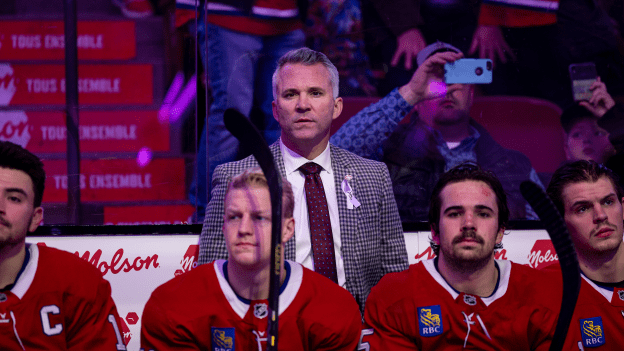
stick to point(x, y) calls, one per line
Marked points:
point(479, 280)
point(606, 268)
point(251, 284)
point(11, 260)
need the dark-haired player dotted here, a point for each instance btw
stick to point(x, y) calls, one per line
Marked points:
point(463, 298)
point(223, 305)
point(589, 198)
point(49, 299)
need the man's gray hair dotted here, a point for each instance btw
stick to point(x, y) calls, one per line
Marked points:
point(307, 57)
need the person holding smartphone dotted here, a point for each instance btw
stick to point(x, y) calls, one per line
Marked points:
point(594, 129)
point(440, 136)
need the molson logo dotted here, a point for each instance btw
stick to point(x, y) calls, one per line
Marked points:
point(7, 84)
point(118, 263)
point(14, 126)
point(542, 254)
point(189, 261)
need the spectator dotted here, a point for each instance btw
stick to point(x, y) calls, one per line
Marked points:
point(440, 137)
point(49, 299)
point(244, 41)
point(464, 296)
point(398, 30)
point(590, 200)
point(335, 29)
point(364, 238)
point(594, 130)
point(228, 306)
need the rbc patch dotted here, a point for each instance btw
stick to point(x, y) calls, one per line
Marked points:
point(430, 321)
point(222, 339)
point(592, 332)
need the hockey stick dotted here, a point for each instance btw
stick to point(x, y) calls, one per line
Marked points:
point(570, 271)
point(248, 136)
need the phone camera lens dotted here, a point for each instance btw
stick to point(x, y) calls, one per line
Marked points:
point(479, 71)
point(488, 65)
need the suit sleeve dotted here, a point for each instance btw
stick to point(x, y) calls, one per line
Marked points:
point(365, 133)
point(393, 251)
point(211, 241)
point(94, 323)
point(159, 333)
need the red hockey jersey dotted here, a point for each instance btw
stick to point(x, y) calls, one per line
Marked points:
point(598, 319)
point(199, 310)
point(418, 310)
point(59, 302)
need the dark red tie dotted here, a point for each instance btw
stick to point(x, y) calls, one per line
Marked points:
point(320, 225)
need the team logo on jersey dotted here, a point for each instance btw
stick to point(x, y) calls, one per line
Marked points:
point(470, 300)
point(261, 310)
point(222, 339)
point(621, 294)
point(430, 320)
point(592, 332)
point(3, 297)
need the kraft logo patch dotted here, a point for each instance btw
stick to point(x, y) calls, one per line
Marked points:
point(223, 339)
point(430, 320)
point(592, 332)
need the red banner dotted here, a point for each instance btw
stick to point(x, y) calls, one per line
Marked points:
point(100, 131)
point(137, 215)
point(130, 84)
point(45, 40)
point(118, 180)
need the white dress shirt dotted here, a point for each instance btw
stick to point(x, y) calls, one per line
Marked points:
point(292, 162)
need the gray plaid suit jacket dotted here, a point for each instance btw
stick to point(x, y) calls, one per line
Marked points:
point(372, 235)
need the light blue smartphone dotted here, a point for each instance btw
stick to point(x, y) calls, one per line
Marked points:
point(468, 71)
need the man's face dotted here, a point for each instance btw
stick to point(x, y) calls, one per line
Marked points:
point(304, 105)
point(468, 229)
point(247, 227)
point(445, 104)
point(587, 141)
point(593, 215)
point(18, 216)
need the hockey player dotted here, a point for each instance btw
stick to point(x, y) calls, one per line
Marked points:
point(223, 305)
point(589, 198)
point(463, 298)
point(49, 299)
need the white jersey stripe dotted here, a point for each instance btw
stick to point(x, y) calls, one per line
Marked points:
point(503, 282)
point(28, 275)
point(608, 294)
point(540, 5)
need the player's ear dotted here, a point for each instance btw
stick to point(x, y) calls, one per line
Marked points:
point(435, 234)
point(288, 229)
point(36, 219)
point(500, 234)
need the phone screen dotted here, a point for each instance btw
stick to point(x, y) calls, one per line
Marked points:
point(582, 76)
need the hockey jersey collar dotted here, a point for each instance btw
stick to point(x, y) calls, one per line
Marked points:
point(287, 293)
point(27, 274)
point(503, 280)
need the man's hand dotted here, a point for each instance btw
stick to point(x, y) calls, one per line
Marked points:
point(433, 67)
point(409, 44)
point(601, 101)
point(491, 44)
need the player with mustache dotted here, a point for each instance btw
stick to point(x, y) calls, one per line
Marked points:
point(589, 198)
point(463, 297)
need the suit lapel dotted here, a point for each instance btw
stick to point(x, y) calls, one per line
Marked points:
point(341, 165)
point(290, 249)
